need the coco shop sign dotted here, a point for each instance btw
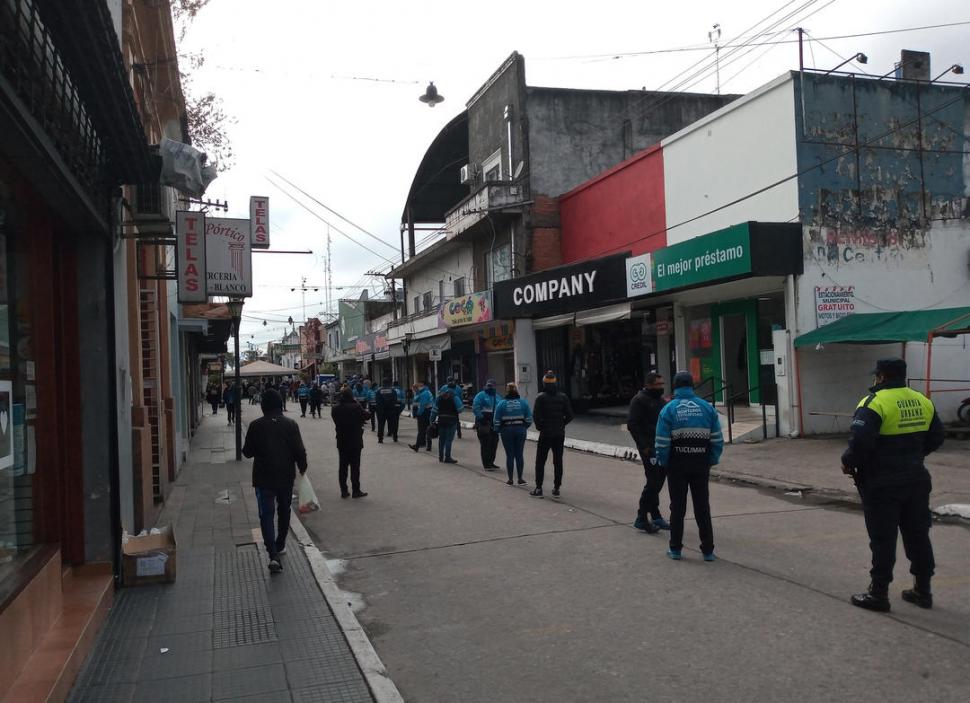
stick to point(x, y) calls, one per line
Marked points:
point(580, 286)
point(744, 250)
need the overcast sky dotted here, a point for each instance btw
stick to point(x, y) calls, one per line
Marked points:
point(325, 93)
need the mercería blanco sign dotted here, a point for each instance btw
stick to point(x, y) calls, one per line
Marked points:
point(564, 287)
point(229, 257)
point(259, 221)
point(579, 286)
point(190, 256)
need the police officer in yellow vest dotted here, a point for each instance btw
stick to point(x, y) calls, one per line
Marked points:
point(893, 429)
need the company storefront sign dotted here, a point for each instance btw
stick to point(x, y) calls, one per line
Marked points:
point(259, 221)
point(747, 249)
point(833, 303)
point(469, 309)
point(374, 345)
point(639, 275)
point(190, 256)
point(579, 286)
point(229, 257)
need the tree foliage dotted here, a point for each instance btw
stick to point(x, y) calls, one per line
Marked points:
point(208, 122)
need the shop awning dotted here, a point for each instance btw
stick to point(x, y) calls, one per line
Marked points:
point(547, 323)
point(610, 313)
point(264, 368)
point(889, 327)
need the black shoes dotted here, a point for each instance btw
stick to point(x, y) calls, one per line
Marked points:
point(521, 482)
point(380, 440)
point(920, 593)
point(413, 447)
point(359, 494)
point(449, 460)
point(536, 492)
point(344, 494)
point(509, 482)
point(555, 491)
point(275, 567)
point(876, 598)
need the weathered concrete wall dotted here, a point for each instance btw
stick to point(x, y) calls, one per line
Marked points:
point(577, 134)
point(456, 263)
point(893, 223)
point(487, 127)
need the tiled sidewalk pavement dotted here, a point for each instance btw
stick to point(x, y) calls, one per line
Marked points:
point(231, 631)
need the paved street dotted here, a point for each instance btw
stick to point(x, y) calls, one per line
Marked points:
point(474, 591)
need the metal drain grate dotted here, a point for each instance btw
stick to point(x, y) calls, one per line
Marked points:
point(241, 611)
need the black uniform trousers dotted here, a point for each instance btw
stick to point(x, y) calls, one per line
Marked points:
point(303, 405)
point(905, 509)
point(424, 438)
point(488, 442)
point(349, 458)
point(390, 421)
point(697, 482)
point(555, 443)
point(656, 475)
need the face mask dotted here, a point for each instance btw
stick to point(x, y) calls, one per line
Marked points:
point(655, 392)
point(490, 391)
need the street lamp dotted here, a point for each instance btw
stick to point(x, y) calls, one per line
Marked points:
point(956, 69)
point(860, 58)
point(235, 306)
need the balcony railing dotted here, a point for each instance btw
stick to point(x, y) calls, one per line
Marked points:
point(489, 197)
point(34, 71)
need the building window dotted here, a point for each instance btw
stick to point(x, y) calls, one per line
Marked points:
point(459, 287)
point(426, 302)
point(499, 264)
point(492, 167)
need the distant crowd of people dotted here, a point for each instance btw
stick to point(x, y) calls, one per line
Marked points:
point(309, 395)
point(678, 439)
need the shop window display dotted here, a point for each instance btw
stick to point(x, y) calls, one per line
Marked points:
point(18, 398)
point(606, 364)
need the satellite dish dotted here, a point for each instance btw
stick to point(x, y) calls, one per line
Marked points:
point(518, 170)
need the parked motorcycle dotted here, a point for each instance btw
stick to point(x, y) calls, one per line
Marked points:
point(963, 412)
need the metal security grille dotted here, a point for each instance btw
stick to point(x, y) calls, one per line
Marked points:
point(148, 310)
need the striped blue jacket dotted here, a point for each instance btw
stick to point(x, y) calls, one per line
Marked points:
point(688, 433)
point(512, 412)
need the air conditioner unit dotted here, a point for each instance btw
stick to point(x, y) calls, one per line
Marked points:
point(467, 173)
point(153, 208)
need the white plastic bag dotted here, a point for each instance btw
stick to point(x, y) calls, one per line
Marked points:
point(306, 497)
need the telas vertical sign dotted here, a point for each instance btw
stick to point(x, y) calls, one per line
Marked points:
point(259, 221)
point(190, 256)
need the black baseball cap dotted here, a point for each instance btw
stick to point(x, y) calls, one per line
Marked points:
point(892, 367)
point(684, 379)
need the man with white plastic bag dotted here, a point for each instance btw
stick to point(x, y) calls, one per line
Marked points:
point(306, 497)
point(276, 447)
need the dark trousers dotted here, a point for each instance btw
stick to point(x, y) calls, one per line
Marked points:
point(905, 509)
point(314, 408)
point(656, 475)
point(215, 407)
point(231, 411)
point(513, 441)
point(542, 452)
point(372, 409)
point(697, 482)
point(272, 504)
point(303, 404)
point(390, 421)
point(349, 462)
point(424, 421)
point(488, 441)
point(446, 436)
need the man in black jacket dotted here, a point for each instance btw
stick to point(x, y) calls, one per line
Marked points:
point(551, 413)
point(276, 447)
point(642, 423)
point(348, 419)
point(892, 431)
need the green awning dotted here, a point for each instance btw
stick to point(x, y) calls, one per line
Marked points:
point(888, 327)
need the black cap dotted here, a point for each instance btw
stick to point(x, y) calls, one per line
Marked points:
point(683, 379)
point(893, 367)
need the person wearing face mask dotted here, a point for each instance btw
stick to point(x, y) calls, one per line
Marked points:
point(642, 423)
point(483, 407)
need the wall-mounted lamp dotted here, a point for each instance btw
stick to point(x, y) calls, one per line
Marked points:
point(956, 69)
point(858, 58)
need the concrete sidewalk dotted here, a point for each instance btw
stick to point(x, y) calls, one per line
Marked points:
point(225, 630)
point(810, 465)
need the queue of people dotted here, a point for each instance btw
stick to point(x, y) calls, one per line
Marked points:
point(678, 439)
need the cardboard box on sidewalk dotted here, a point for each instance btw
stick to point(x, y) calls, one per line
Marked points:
point(148, 558)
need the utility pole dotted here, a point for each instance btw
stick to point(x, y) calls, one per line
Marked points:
point(714, 37)
point(801, 49)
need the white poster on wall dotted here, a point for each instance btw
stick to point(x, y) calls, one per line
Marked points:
point(228, 257)
point(6, 424)
point(833, 303)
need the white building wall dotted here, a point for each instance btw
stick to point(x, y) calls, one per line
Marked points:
point(729, 154)
point(457, 263)
point(935, 276)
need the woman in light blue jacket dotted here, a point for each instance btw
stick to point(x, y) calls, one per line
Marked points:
point(511, 420)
